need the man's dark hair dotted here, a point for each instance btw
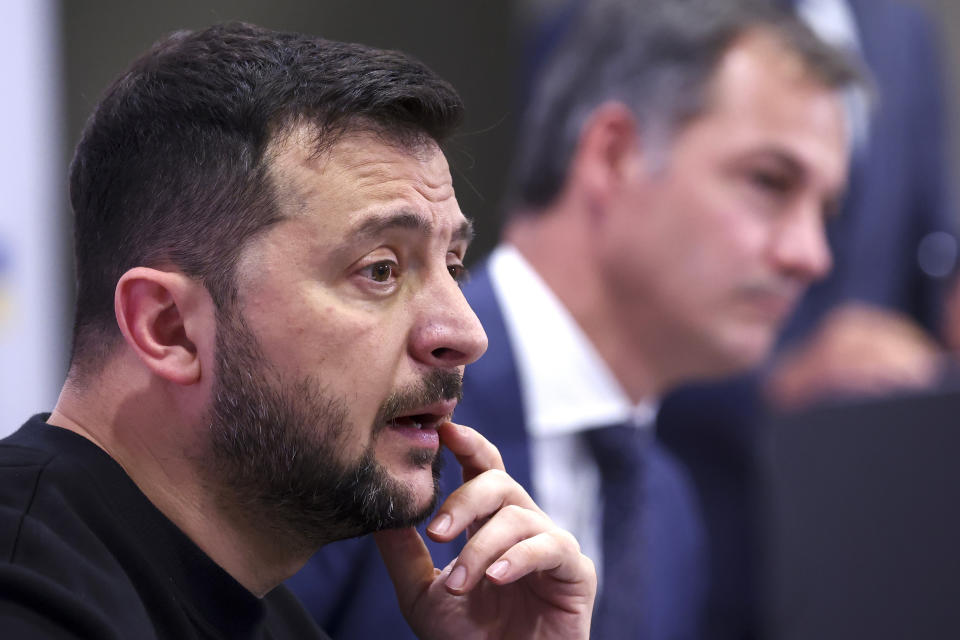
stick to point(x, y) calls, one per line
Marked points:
point(658, 58)
point(173, 165)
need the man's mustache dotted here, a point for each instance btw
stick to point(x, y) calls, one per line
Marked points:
point(436, 386)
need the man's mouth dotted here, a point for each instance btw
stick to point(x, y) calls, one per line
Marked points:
point(418, 421)
point(773, 302)
point(426, 418)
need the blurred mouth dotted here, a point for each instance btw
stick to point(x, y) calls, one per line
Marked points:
point(772, 304)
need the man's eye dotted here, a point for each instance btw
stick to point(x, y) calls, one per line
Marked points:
point(382, 271)
point(772, 182)
point(458, 272)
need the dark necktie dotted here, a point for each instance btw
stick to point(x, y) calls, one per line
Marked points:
point(620, 453)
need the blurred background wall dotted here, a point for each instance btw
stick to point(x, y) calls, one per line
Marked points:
point(33, 282)
point(58, 55)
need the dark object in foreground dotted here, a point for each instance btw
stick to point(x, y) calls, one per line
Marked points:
point(862, 520)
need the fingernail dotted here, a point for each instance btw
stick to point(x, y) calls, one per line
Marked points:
point(498, 569)
point(441, 524)
point(449, 567)
point(457, 578)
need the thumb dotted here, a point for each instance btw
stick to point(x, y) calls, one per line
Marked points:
point(408, 562)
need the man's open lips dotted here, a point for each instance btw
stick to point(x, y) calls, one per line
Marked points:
point(418, 421)
point(424, 421)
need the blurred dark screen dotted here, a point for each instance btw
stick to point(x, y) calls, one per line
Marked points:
point(863, 522)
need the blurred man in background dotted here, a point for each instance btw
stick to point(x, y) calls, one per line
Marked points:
point(677, 164)
point(895, 242)
point(872, 327)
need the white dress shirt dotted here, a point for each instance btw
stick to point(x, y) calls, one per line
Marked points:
point(566, 389)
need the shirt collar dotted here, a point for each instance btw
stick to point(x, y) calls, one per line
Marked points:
point(566, 385)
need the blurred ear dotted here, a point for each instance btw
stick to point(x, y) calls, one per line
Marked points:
point(607, 152)
point(161, 315)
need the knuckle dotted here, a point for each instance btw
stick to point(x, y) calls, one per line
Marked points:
point(526, 550)
point(476, 549)
point(589, 570)
point(514, 512)
point(453, 502)
point(566, 540)
point(498, 476)
point(589, 564)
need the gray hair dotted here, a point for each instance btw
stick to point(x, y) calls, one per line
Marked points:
point(655, 56)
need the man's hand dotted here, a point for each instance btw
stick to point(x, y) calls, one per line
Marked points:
point(518, 576)
point(858, 350)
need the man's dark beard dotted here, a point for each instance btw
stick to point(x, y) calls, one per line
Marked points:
point(276, 448)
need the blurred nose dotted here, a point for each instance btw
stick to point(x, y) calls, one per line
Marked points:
point(800, 248)
point(448, 333)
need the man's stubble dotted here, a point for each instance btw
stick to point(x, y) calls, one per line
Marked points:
point(275, 448)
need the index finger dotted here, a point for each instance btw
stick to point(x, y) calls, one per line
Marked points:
point(475, 453)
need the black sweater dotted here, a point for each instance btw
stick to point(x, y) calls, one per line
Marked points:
point(84, 554)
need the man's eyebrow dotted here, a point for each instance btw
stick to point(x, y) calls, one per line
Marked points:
point(464, 233)
point(408, 220)
point(831, 204)
point(784, 158)
point(378, 224)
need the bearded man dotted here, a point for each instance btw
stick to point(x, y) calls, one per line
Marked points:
point(268, 345)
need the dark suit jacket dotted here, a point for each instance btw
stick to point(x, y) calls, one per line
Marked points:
point(348, 591)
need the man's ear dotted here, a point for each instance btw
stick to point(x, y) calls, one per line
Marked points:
point(607, 151)
point(161, 315)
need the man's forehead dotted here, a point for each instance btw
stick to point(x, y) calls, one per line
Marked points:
point(379, 164)
point(763, 49)
point(361, 164)
point(364, 188)
point(303, 145)
point(761, 84)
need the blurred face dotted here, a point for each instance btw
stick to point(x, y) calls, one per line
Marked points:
point(349, 343)
point(708, 253)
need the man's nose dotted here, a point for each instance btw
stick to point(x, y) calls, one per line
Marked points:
point(448, 332)
point(800, 247)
